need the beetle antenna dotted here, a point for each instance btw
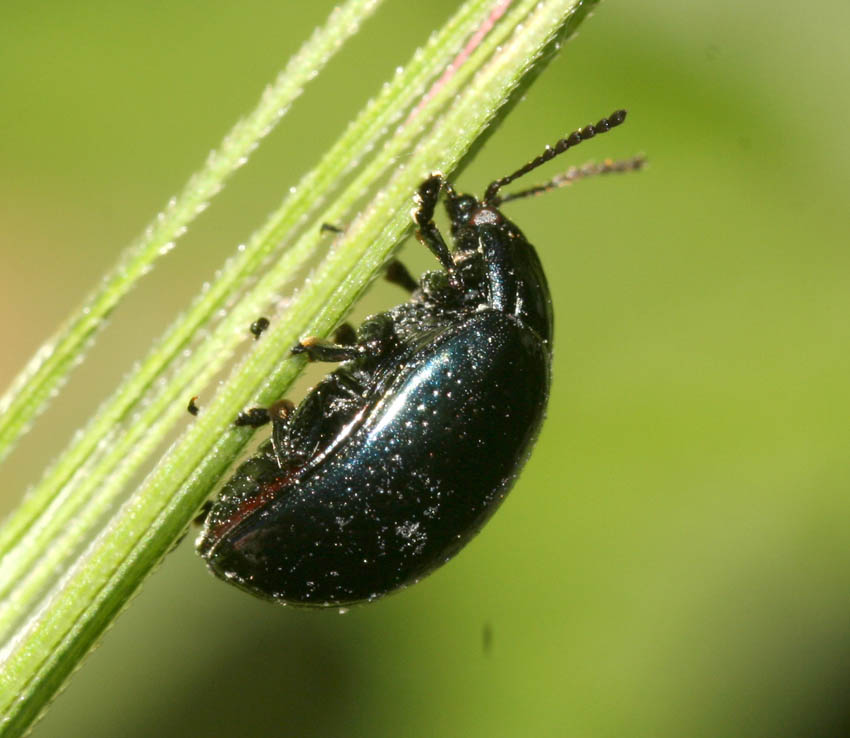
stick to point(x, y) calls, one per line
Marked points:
point(574, 139)
point(573, 174)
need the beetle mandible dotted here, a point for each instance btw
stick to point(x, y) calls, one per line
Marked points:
point(396, 459)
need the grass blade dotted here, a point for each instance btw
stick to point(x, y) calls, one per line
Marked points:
point(45, 373)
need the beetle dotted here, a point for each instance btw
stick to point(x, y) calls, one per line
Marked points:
point(396, 459)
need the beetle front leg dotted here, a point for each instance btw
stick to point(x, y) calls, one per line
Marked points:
point(427, 196)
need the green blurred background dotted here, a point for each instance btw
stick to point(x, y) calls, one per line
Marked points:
point(674, 560)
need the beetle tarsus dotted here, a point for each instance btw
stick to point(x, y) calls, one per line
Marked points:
point(398, 274)
point(255, 417)
point(345, 335)
point(201, 517)
point(318, 350)
point(428, 195)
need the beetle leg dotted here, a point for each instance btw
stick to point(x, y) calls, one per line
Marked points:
point(427, 196)
point(259, 416)
point(345, 335)
point(343, 347)
point(201, 517)
point(318, 350)
point(347, 386)
point(397, 273)
point(375, 336)
point(255, 417)
point(279, 413)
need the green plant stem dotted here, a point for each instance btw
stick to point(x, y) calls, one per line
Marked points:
point(45, 373)
point(29, 391)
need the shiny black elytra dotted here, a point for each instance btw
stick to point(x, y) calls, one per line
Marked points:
point(393, 462)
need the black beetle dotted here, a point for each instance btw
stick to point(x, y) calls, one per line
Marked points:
point(393, 462)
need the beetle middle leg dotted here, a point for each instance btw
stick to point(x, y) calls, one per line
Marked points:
point(275, 413)
point(255, 417)
point(201, 517)
point(278, 414)
point(398, 274)
point(319, 350)
point(342, 348)
point(374, 337)
point(345, 335)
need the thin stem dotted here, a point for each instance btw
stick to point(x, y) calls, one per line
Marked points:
point(48, 369)
point(45, 373)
